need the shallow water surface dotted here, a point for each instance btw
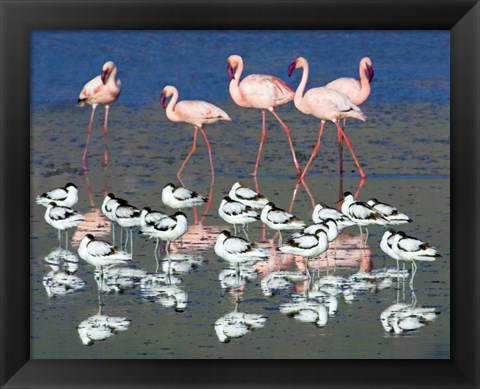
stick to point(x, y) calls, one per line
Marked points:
point(169, 309)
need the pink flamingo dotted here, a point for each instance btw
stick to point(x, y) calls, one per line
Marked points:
point(261, 92)
point(195, 112)
point(325, 104)
point(104, 90)
point(356, 91)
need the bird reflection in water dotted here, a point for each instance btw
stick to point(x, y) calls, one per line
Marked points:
point(403, 318)
point(237, 324)
point(235, 278)
point(61, 280)
point(307, 310)
point(100, 327)
point(118, 279)
point(164, 291)
point(280, 280)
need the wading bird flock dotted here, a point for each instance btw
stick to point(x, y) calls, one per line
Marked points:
point(241, 205)
point(336, 101)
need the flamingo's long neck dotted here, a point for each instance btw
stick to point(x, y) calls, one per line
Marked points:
point(234, 87)
point(298, 99)
point(171, 114)
point(112, 82)
point(364, 83)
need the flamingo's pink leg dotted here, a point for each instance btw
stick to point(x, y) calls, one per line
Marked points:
point(295, 190)
point(360, 186)
point(315, 150)
point(312, 200)
point(264, 227)
point(209, 153)
point(297, 185)
point(192, 150)
point(262, 141)
point(89, 131)
point(105, 133)
point(287, 131)
point(347, 141)
point(209, 201)
point(340, 145)
point(195, 215)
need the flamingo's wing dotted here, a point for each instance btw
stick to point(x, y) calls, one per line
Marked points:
point(197, 109)
point(329, 100)
point(91, 88)
point(264, 85)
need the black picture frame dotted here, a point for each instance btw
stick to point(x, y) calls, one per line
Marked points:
point(19, 18)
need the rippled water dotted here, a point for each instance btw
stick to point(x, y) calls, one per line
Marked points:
point(404, 148)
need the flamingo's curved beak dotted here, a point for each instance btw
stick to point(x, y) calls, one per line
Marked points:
point(163, 99)
point(103, 76)
point(230, 71)
point(370, 73)
point(292, 67)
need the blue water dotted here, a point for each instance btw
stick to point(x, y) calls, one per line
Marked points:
point(409, 65)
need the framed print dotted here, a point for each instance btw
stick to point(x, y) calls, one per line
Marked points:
point(324, 218)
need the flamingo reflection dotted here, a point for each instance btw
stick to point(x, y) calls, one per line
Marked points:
point(95, 222)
